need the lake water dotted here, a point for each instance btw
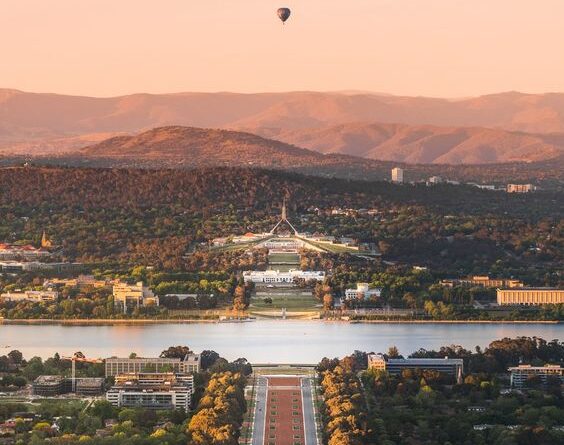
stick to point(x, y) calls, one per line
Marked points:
point(261, 341)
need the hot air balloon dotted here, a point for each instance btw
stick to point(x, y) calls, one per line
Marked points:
point(284, 14)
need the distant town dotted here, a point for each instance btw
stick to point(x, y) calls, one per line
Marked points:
point(335, 254)
point(281, 285)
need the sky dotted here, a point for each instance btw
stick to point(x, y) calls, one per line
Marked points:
point(441, 48)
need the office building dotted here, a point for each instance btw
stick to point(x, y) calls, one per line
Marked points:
point(530, 296)
point(152, 391)
point(522, 373)
point(397, 175)
point(82, 281)
point(278, 277)
point(43, 296)
point(89, 386)
point(133, 296)
point(35, 266)
point(55, 385)
point(363, 292)
point(51, 385)
point(395, 366)
point(482, 281)
point(189, 364)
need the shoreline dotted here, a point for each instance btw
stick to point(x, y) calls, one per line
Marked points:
point(456, 321)
point(105, 322)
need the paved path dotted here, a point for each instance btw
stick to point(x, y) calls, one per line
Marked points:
point(260, 412)
point(310, 427)
point(284, 411)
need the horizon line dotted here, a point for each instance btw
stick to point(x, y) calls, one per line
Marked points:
point(344, 92)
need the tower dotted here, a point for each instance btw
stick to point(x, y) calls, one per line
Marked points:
point(45, 241)
point(283, 217)
point(397, 175)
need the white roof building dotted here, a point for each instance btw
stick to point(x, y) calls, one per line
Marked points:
point(278, 277)
point(363, 292)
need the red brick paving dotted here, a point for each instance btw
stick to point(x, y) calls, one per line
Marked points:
point(284, 412)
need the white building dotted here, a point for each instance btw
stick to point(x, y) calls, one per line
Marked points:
point(397, 175)
point(520, 188)
point(434, 180)
point(152, 391)
point(35, 296)
point(284, 243)
point(248, 238)
point(277, 277)
point(362, 292)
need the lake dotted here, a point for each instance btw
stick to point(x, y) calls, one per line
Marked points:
point(263, 341)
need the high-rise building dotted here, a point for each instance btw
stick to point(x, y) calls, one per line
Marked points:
point(397, 175)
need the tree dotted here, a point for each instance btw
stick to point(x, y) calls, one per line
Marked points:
point(208, 358)
point(176, 352)
point(393, 352)
point(15, 356)
point(328, 302)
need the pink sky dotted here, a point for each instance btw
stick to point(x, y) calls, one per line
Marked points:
point(448, 48)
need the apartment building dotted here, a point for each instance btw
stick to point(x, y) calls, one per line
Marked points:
point(152, 391)
point(189, 364)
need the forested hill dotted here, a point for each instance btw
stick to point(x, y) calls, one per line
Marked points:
point(154, 217)
point(208, 189)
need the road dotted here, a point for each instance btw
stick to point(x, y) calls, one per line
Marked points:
point(260, 412)
point(310, 428)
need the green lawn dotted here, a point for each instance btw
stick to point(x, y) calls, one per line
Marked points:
point(284, 258)
point(293, 302)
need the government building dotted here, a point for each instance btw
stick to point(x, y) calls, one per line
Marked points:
point(363, 292)
point(34, 296)
point(395, 366)
point(133, 295)
point(530, 296)
point(278, 277)
point(522, 373)
point(482, 281)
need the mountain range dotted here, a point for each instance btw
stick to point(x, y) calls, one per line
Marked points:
point(188, 148)
point(506, 127)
